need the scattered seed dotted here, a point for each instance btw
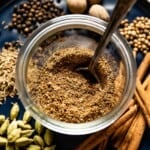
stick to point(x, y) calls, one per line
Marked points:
point(48, 137)
point(3, 141)
point(50, 148)
point(14, 111)
point(12, 126)
point(27, 117)
point(136, 33)
point(26, 133)
point(14, 135)
point(2, 119)
point(38, 140)
point(4, 126)
point(32, 13)
point(23, 141)
point(22, 125)
point(8, 57)
point(10, 146)
point(38, 127)
point(33, 147)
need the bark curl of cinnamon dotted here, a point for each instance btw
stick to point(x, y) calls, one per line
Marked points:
point(126, 133)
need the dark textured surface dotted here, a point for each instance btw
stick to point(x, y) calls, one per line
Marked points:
point(64, 142)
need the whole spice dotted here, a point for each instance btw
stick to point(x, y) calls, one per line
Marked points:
point(38, 140)
point(137, 33)
point(141, 94)
point(9, 146)
point(48, 137)
point(99, 11)
point(30, 14)
point(38, 127)
point(77, 6)
point(99, 137)
point(23, 125)
point(3, 141)
point(26, 116)
point(14, 135)
point(27, 133)
point(14, 111)
point(127, 132)
point(23, 141)
point(12, 126)
point(17, 134)
point(50, 147)
point(4, 126)
point(33, 147)
point(8, 57)
point(2, 119)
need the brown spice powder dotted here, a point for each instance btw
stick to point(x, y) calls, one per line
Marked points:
point(66, 95)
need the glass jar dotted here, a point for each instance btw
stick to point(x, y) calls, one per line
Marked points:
point(71, 31)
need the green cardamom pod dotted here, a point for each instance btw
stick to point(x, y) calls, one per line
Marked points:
point(38, 140)
point(3, 141)
point(23, 141)
point(12, 126)
point(14, 135)
point(4, 127)
point(2, 119)
point(33, 147)
point(23, 125)
point(26, 116)
point(50, 147)
point(38, 127)
point(14, 111)
point(10, 147)
point(27, 133)
point(48, 137)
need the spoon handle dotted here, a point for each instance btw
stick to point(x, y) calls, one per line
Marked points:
point(120, 10)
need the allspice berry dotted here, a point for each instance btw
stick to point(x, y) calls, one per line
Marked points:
point(77, 6)
point(99, 11)
point(91, 2)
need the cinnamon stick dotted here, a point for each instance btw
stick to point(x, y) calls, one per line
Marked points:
point(144, 98)
point(146, 82)
point(131, 103)
point(137, 134)
point(103, 145)
point(141, 72)
point(120, 133)
point(128, 136)
point(143, 108)
point(97, 138)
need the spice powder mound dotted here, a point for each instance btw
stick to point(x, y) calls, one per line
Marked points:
point(67, 95)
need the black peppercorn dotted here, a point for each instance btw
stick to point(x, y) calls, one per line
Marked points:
point(24, 15)
point(23, 26)
point(26, 30)
point(14, 19)
point(19, 26)
point(29, 14)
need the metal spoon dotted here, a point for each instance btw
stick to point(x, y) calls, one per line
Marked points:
point(120, 10)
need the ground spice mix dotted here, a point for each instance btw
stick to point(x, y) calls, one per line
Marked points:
point(67, 95)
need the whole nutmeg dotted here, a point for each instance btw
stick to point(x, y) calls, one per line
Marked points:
point(91, 2)
point(99, 12)
point(77, 6)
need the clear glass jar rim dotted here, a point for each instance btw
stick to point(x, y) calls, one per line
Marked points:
point(50, 27)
